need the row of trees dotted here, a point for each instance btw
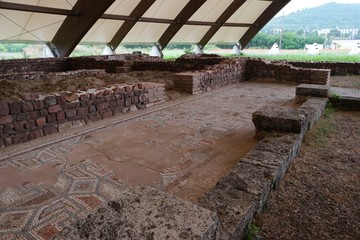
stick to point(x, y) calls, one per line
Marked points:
point(290, 40)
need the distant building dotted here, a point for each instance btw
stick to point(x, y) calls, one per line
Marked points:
point(324, 31)
point(344, 44)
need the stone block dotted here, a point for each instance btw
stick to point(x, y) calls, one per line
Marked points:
point(19, 126)
point(61, 99)
point(4, 108)
point(36, 134)
point(50, 128)
point(20, 138)
point(6, 119)
point(106, 114)
point(270, 119)
point(8, 128)
point(145, 213)
point(313, 90)
point(29, 124)
point(27, 106)
point(15, 107)
point(44, 112)
point(20, 117)
point(313, 109)
point(60, 116)
point(70, 113)
point(32, 115)
point(235, 209)
point(40, 122)
point(82, 111)
point(38, 104)
point(278, 163)
point(51, 118)
point(54, 108)
point(102, 106)
point(49, 101)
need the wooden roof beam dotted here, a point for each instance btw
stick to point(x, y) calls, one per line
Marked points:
point(191, 7)
point(125, 28)
point(262, 20)
point(74, 28)
point(37, 9)
point(233, 7)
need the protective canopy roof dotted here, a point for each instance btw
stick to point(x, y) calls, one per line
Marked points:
point(63, 24)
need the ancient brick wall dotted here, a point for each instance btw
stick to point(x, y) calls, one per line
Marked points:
point(337, 68)
point(284, 73)
point(228, 72)
point(36, 116)
point(33, 65)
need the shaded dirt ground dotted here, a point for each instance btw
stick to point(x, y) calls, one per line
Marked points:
point(13, 89)
point(319, 197)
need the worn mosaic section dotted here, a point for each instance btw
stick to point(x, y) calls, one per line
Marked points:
point(64, 186)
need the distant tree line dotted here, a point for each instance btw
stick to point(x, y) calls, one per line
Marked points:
point(12, 48)
point(290, 40)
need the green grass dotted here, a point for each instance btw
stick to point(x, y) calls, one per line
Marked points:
point(253, 232)
point(318, 137)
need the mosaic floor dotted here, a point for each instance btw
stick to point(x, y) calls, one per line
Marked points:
point(183, 149)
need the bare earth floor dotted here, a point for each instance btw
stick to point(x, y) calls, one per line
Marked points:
point(319, 198)
point(184, 149)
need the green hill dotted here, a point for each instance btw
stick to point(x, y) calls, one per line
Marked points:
point(331, 15)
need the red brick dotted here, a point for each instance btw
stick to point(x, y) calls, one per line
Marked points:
point(106, 114)
point(38, 104)
point(32, 115)
point(6, 119)
point(51, 118)
point(29, 124)
point(49, 129)
point(15, 107)
point(4, 108)
point(19, 126)
point(27, 106)
point(44, 112)
point(70, 113)
point(8, 128)
point(36, 134)
point(61, 99)
point(60, 116)
point(54, 109)
point(40, 122)
point(101, 106)
point(82, 111)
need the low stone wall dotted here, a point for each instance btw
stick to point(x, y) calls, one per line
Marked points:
point(21, 121)
point(285, 73)
point(243, 191)
point(337, 68)
point(228, 72)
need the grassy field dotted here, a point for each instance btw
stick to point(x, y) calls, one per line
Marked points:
point(169, 54)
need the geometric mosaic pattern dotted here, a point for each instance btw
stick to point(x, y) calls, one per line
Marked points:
point(39, 210)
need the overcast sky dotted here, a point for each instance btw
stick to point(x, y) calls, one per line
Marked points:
point(296, 5)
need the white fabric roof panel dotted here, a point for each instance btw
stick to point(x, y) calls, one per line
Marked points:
point(145, 33)
point(229, 35)
point(102, 31)
point(167, 9)
point(211, 10)
point(45, 34)
point(249, 12)
point(190, 34)
point(124, 7)
point(16, 25)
